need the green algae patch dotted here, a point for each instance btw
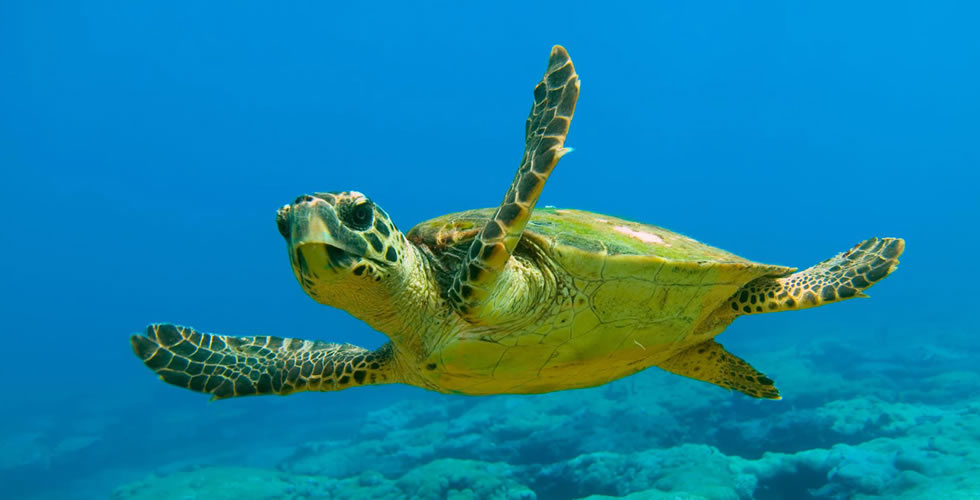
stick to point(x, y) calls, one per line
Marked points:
point(582, 230)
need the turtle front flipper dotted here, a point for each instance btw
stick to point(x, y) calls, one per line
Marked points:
point(841, 277)
point(545, 131)
point(225, 366)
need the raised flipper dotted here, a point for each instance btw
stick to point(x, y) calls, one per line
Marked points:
point(844, 276)
point(710, 362)
point(244, 366)
point(545, 131)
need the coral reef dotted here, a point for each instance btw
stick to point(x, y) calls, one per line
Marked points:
point(850, 427)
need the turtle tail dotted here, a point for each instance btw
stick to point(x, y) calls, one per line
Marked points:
point(841, 277)
point(225, 366)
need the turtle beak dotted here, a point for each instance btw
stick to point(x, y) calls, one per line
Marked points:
point(282, 221)
point(315, 236)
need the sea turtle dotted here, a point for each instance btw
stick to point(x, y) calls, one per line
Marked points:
point(502, 301)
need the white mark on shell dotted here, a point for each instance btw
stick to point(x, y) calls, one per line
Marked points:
point(640, 235)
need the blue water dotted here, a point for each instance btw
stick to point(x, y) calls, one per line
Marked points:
point(144, 149)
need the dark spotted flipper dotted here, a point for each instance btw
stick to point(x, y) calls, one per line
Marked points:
point(844, 276)
point(243, 366)
point(545, 131)
point(710, 362)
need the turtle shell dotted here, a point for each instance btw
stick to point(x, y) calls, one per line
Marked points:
point(629, 295)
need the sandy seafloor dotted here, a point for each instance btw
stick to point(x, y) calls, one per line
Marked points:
point(887, 416)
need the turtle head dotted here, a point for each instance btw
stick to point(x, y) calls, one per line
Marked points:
point(344, 250)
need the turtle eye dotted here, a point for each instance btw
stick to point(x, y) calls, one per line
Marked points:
point(361, 216)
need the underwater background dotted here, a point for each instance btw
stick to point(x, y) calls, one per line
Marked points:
point(144, 149)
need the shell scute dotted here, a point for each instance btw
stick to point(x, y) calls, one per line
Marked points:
point(614, 299)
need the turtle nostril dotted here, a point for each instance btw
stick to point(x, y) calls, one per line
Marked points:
point(305, 198)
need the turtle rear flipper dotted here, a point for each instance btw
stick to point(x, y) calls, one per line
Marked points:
point(545, 130)
point(225, 366)
point(710, 362)
point(841, 277)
